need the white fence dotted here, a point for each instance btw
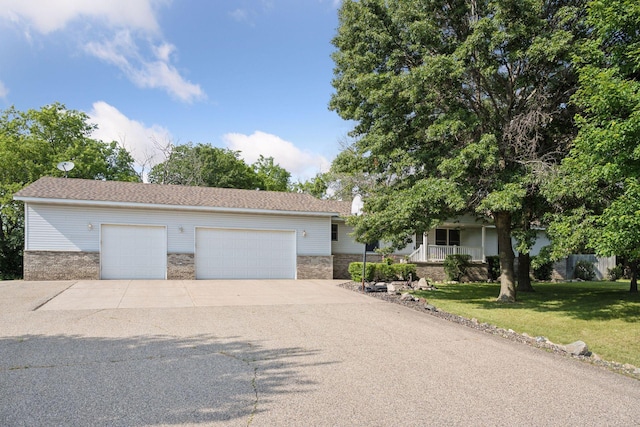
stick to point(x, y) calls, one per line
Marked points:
point(427, 253)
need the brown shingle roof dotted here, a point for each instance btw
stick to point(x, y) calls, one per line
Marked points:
point(177, 195)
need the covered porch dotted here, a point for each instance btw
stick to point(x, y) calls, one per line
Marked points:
point(464, 238)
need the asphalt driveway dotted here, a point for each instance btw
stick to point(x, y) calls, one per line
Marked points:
point(344, 359)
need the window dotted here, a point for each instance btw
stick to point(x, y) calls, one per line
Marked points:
point(371, 247)
point(454, 237)
point(441, 236)
point(448, 237)
point(334, 232)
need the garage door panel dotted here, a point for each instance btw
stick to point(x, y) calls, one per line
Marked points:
point(133, 252)
point(245, 254)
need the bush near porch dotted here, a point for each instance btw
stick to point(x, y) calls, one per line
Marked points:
point(382, 271)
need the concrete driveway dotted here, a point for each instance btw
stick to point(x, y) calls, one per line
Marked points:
point(106, 294)
point(344, 359)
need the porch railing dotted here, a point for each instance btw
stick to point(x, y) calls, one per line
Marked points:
point(438, 253)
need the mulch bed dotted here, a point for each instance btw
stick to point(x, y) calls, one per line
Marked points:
point(539, 342)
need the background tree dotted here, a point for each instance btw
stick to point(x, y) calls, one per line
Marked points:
point(272, 176)
point(460, 106)
point(205, 165)
point(597, 192)
point(316, 186)
point(32, 143)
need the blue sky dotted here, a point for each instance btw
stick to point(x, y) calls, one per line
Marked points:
point(249, 75)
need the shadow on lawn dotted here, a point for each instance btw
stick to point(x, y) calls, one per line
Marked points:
point(580, 300)
point(146, 380)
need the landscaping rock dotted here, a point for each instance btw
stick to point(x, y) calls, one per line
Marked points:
point(578, 348)
point(407, 297)
point(430, 307)
point(378, 287)
point(395, 287)
point(422, 283)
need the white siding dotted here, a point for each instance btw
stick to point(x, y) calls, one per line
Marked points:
point(541, 241)
point(66, 228)
point(345, 243)
point(491, 242)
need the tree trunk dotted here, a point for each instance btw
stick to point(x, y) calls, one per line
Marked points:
point(634, 276)
point(505, 250)
point(524, 273)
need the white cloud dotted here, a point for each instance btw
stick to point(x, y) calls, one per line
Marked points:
point(302, 164)
point(143, 142)
point(49, 16)
point(3, 90)
point(240, 15)
point(134, 45)
point(157, 72)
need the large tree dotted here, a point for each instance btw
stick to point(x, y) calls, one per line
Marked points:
point(597, 191)
point(32, 143)
point(205, 165)
point(459, 106)
point(272, 176)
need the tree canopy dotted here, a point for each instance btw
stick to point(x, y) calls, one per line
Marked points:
point(209, 166)
point(32, 143)
point(459, 106)
point(272, 176)
point(596, 192)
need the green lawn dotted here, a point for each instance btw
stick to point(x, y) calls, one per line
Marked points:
point(602, 314)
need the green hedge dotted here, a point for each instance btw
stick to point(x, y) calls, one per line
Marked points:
point(541, 270)
point(382, 272)
point(456, 266)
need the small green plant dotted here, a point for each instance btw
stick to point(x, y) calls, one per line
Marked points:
point(615, 273)
point(542, 269)
point(381, 271)
point(456, 266)
point(404, 271)
point(355, 271)
point(584, 270)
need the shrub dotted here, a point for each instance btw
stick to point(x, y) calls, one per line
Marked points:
point(403, 271)
point(355, 271)
point(584, 270)
point(456, 266)
point(493, 264)
point(542, 270)
point(615, 273)
point(381, 271)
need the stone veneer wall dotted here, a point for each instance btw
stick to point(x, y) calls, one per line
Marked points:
point(181, 267)
point(341, 263)
point(54, 265)
point(478, 272)
point(315, 267)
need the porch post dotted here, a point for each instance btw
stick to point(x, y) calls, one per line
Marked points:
point(425, 246)
point(484, 259)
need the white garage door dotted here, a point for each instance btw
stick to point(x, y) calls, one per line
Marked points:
point(245, 254)
point(133, 252)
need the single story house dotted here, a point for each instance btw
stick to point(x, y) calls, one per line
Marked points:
point(88, 229)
